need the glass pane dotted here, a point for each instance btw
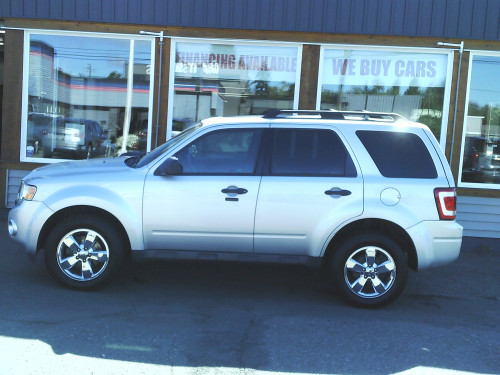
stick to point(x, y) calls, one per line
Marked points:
point(410, 84)
point(224, 152)
point(481, 148)
point(394, 154)
point(310, 153)
point(230, 80)
point(80, 101)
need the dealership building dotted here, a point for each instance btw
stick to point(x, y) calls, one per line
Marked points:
point(96, 78)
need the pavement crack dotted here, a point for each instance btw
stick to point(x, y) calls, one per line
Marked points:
point(245, 342)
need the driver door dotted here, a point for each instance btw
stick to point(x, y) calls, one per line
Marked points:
point(210, 206)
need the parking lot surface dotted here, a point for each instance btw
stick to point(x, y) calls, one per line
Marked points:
point(164, 317)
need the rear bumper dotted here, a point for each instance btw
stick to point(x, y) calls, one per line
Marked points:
point(436, 242)
point(25, 223)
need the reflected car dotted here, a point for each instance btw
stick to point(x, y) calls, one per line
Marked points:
point(84, 137)
point(40, 125)
point(481, 161)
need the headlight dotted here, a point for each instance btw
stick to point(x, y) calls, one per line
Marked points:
point(26, 192)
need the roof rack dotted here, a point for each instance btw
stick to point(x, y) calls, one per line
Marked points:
point(334, 115)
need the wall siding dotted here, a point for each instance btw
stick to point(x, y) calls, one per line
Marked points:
point(14, 178)
point(479, 216)
point(463, 19)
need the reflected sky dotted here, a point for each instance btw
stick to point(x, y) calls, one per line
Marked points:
point(94, 56)
point(484, 88)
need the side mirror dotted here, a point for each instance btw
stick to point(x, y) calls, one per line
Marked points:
point(171, 167)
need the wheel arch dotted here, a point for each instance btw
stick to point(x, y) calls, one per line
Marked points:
point(385, 227)
point(80, 210)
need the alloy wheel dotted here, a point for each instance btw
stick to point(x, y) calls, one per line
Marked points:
point(370, 272)
point(82, 254)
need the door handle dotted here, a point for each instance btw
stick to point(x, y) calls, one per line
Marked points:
point(338, 192)
point(234, 190)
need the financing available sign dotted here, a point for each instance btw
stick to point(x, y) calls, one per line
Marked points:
point(381, 68)
point(246, 62)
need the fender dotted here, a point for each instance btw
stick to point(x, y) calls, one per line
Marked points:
point(126, 208)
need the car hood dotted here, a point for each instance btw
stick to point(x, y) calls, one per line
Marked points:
point(78, 167)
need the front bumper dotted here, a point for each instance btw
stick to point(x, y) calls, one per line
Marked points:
point(436, 242)
point(25, 223)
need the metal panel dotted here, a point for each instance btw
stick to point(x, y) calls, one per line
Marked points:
point(30, 7)
point(479, 19)
point(465, 19)
point(452, 12)
point(95, 10)
point(384, 17)
point(121, 10)
point(82, 9)
point(466, 16)
point(479, 216)
point(397, 19)
point(371, 15)
point(491, 27)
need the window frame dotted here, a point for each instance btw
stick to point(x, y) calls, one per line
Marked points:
point(256, 43)
point(474, 185)
point(25, 84)
point(440, 51)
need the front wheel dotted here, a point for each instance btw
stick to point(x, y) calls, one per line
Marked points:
point(370, 270)
point(83, 252)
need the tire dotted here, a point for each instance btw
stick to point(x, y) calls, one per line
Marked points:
point(84, 252)
point(370, 270)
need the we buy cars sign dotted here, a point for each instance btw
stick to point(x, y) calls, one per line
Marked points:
point(380, 68)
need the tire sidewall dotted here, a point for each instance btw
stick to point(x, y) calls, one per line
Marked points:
point(103, 228)
point(352, 244)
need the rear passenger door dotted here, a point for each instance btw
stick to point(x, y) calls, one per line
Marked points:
point(310, 185)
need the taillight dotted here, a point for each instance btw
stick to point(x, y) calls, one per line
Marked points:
point(446, 202)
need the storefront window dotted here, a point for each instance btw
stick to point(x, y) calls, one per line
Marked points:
point(480, 160)
point(414, 84)
point(215, 79)
point(86, 96)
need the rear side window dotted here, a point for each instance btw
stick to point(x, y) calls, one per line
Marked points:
point(398, 154)
point(310, 152)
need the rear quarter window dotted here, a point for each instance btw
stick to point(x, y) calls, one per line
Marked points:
point(398, 154)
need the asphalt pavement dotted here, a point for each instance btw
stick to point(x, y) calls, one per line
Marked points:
point(162, 317)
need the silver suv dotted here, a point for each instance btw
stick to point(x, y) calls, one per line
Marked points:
point(366, 195)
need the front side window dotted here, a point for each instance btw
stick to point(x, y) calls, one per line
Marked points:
point(311, 152)
point(224, 152)
point(480, 157)
point(413, 84)
point(86, 96)
point(226, 79)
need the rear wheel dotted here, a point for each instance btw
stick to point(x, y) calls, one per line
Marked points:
point(370, 270)
point(84, 252)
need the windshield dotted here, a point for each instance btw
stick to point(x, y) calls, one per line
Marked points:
point(149, 157)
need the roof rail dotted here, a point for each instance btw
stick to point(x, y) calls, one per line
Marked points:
point(333, 115)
